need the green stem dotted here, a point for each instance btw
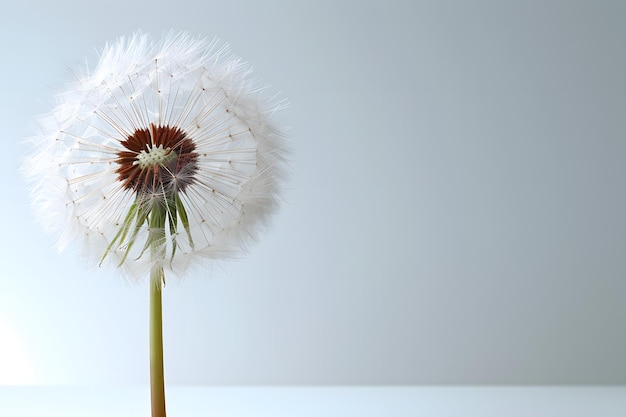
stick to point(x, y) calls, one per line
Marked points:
point(157, 277)
point(157, 379)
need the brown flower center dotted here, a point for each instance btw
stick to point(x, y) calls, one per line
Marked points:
point(158, 159)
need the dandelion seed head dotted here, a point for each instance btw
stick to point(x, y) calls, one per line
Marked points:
point(176, 126)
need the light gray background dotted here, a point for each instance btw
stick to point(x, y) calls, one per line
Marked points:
point(456, 213)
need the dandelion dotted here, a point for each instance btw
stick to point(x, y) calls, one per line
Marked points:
point(163, 155)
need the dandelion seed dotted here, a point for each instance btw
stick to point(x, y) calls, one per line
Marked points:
point(148, 161)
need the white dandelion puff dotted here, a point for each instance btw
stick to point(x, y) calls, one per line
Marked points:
point(164, 154)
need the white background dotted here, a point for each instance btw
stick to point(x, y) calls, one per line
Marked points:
point(456, 213)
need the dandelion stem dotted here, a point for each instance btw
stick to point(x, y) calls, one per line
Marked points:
point(157, 379)
point(157, 277)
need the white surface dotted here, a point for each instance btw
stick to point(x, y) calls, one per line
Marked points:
point(319, 402)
